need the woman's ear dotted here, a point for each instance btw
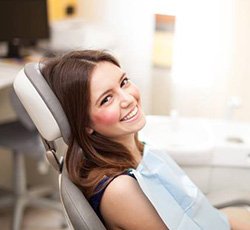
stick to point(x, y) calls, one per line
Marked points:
point(89, 130)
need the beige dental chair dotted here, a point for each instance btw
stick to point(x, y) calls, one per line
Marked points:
point(48, 116)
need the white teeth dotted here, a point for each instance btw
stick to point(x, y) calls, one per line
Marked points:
point(132, 114)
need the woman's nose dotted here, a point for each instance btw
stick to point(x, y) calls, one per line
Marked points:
point(126, 99)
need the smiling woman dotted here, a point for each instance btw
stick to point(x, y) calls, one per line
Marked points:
point(104, 111)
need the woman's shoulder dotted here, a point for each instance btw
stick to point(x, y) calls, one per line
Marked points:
point(107, 180)
point(124, 205)
point(101, 187)
point(120, 185)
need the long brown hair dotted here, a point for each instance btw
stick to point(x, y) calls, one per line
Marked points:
point(90, 157)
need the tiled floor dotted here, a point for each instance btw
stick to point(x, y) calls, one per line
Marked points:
point(36, 219)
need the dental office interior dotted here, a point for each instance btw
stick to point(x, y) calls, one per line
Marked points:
point(190, 60)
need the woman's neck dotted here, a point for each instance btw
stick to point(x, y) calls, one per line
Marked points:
point(131, 145)
point(137, 155)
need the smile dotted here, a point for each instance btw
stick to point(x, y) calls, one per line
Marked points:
point(131, 115)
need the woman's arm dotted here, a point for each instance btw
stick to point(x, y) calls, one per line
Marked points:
point(238, 217)
point(124, 206)
point(237, 224)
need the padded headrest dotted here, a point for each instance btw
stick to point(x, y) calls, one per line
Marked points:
point(41, 103)
point(20, 111)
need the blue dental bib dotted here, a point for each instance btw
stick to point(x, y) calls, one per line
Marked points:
point(179, 203)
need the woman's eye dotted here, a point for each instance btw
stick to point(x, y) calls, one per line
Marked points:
point(105, 100)
point(124, 81)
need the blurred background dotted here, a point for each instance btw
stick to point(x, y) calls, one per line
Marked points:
point(188, 57)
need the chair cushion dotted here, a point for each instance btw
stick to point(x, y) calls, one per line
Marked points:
point(78, 209)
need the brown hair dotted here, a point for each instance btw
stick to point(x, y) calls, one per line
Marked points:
point(90, 157)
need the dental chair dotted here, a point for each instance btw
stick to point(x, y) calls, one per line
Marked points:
point(48, 116)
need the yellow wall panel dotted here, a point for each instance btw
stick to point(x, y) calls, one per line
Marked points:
point(57, 8)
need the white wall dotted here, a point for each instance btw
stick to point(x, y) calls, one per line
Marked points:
point(211, 57)
point(239, 83)
point(132, 24)
point(202, 57)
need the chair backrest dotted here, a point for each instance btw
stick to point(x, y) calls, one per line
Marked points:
point(21, 112)
point(49, 118)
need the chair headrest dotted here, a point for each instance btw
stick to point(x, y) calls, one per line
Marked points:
point(41, 103)
point(21, 113)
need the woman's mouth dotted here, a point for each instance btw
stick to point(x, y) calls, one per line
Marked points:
point(131, 115)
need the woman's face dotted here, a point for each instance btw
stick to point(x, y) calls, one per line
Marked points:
point(115, 108)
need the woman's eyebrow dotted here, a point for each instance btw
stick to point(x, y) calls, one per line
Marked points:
point(108, 90)
point(122, 76)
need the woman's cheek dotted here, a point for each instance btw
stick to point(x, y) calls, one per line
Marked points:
point(106, 118)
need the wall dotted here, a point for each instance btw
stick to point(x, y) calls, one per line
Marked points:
point(211, 58)
point(239, 83)
point(202, 57)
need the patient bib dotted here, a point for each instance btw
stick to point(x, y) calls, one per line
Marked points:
point(179, 203)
